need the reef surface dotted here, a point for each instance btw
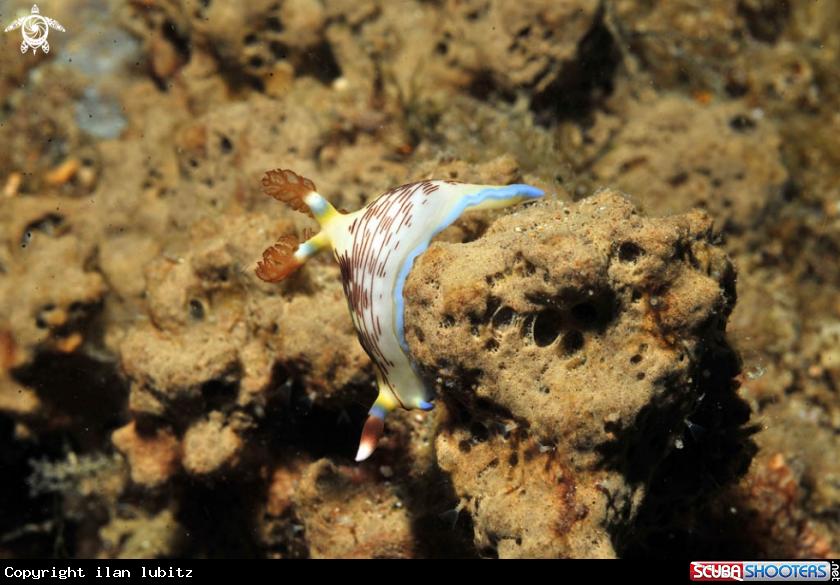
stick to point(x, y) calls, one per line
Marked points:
point(644, 363)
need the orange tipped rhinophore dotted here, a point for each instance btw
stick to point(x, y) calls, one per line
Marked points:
point(289, 187)
point(376, 247)
point(279, 260)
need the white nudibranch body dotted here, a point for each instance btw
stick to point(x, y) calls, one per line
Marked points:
point(375, 248)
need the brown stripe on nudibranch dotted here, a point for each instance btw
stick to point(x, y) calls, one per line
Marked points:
point(358, 302)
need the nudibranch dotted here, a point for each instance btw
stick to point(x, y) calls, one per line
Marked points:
point(375, 248)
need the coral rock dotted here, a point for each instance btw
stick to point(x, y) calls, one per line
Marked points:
point(210, 446)
point(153, 457)
point(681, 155)
point(566, 345)
point(348, 513)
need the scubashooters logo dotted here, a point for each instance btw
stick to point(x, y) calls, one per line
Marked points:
point(35, 30)
point(764, 571)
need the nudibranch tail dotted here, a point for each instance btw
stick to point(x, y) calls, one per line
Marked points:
point(375, 424)
point(374, 427)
